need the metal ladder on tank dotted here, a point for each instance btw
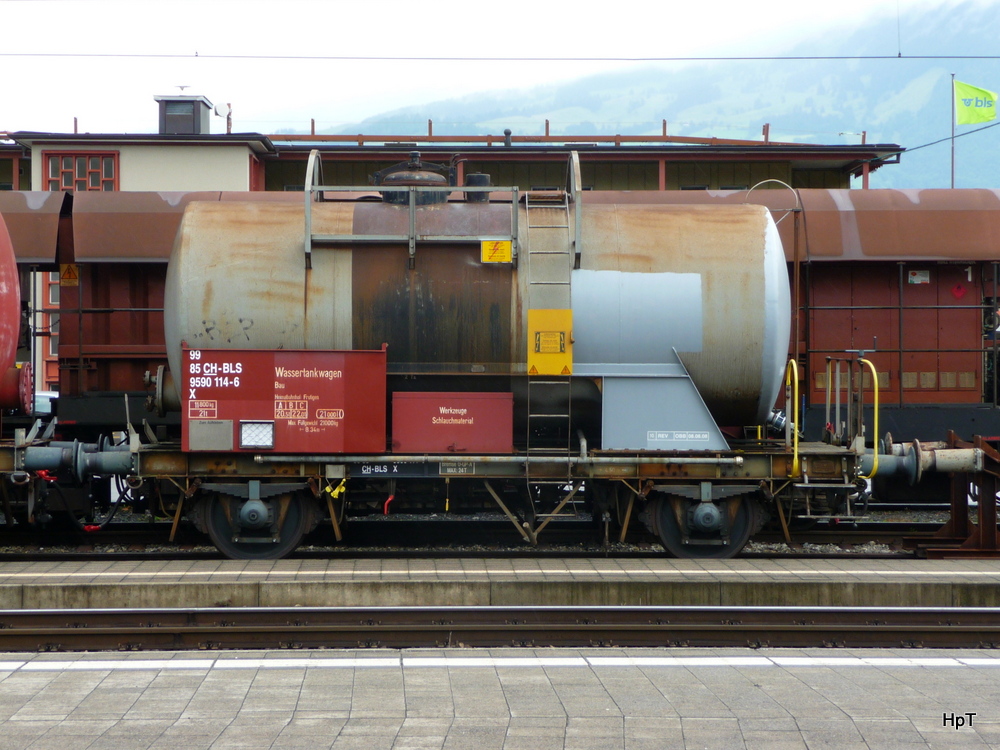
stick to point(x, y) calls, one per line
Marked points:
point(550, 404)
point(551, 258)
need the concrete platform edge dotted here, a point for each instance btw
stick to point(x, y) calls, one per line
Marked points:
point(495, 593)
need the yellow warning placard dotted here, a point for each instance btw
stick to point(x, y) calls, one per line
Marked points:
point(496, 251)
point(550, 342)
point(69, 274)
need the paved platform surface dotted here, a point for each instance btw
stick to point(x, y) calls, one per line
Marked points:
point(550, 699)
point(511, 582)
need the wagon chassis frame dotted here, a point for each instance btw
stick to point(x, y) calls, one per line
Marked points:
point(760, 470)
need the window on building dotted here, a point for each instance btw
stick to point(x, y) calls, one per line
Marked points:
point(54, 293)
point(84, 171)
point(53, 335)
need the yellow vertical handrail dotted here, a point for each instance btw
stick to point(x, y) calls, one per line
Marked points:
point(792, 390)
point(871, 367)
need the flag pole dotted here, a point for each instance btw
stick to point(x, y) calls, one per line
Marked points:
point(953, 131)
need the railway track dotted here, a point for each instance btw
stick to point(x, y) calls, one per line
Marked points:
point(413, 627)
point(367, 539)
point(427, 532)
point(882, 532)
point(153, 545)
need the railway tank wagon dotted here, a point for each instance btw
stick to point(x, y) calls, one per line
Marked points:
point(417, 348)
point(654, 284)
point(16, 391)
point(440, 347)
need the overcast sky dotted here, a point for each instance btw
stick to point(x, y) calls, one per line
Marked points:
point(237, 43)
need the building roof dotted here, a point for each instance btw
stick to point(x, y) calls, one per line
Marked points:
point(845, 158)
point(182, 98)
point(259, 144)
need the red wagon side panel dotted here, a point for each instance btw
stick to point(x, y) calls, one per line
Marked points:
point(452, 422)
point(284, 401)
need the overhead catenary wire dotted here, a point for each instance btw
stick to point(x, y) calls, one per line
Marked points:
point(935, 143)
point(196, 55)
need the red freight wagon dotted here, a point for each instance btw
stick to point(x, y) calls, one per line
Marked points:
point(453, 422)
point(284, 401)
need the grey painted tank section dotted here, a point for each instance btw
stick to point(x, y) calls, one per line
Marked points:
point(731, 328)
point(777, 305)
point(657, 413)
point(635, 318)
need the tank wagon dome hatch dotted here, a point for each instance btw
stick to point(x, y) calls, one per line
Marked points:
point(415, 173)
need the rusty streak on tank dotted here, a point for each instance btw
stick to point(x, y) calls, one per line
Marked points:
point(450, 311)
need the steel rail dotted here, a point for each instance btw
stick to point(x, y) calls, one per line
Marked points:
point(409, 627)
point(400, 538)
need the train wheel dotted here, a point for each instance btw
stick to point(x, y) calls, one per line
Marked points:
point(674, 522)
point(621, 501)
point(650, 515)
point(232, 528)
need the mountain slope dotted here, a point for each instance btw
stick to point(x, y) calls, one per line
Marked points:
point(895, 100)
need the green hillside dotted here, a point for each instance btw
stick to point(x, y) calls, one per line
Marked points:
point(896, 100)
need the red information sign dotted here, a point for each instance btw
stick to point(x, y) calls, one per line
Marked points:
point(284, 401)
point(452, 422)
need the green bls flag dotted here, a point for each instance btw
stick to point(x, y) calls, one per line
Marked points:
point(973, 104)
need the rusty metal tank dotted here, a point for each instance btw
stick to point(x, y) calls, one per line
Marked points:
point(15, 383)
point(707, 281)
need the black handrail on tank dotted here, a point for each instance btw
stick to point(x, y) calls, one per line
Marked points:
point(314, 192)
